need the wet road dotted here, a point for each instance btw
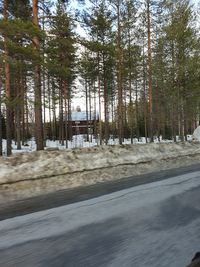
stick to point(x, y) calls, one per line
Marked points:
point(154, 225)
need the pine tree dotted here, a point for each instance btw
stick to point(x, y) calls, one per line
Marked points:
point(37, 83)
point(99, 26)
point(131, 64)
point(182, 43)
point(61, 65)
point(7, 84)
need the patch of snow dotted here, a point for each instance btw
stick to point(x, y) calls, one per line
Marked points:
point(78, 141)
point(196, 134)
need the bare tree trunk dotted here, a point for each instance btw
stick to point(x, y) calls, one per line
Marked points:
point(61, 124)
point(54, 126)
point(37, 85)
point(27, 113)
point(7, 89)
point(119, 77)
point(99, 92)
point(49, 107)
point(86, 104)
point(90, 109)
point(66, 114)
point(43, 81)
point(69, 115)
point(144, 94)
point(95, 113)
point(150, 71)
point(106, 125)
point(1, 126)
point(130, 85)
point(18, 112)
point(137, 111)
point(22, 108)
point(44, 107)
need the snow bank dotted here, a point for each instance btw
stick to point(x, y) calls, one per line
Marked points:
point(196, 134)
point(30, 174)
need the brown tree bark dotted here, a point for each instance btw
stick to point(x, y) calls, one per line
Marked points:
point(1, 126)
point(86, 104)
point(7, 89)
point(18, 110)
point(61, 117)
point(70, 135)
point(49, 106)
point(66, 114)
point(119, 76)
point(26, 110)
point(144, 102)
point(37, 84)
point(22, 108)
point(106, 115)
point(90, 111)
point(150, 72)
point(54, 122)
point(99, 95)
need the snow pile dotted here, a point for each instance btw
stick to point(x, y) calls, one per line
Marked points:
point(29, 174)
point(196, 134)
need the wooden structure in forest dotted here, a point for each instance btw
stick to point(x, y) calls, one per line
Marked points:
point(83, 122)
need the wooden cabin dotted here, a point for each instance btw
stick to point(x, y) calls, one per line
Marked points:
point(83, 122)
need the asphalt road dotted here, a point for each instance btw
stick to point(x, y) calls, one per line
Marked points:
point(68, 196)
point(155, 225)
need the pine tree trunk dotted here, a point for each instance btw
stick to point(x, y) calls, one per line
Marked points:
point(1, 126)
point(61, 124)
point(150, 72)
point(18, 112)
point(130, 89)
point(99, 93)
point(49, 107)
point(106, 129)
point(90, 109)
point(95, 111)
point(112, 119)
point(54, 126)
point(43, 79)
point(27, 113)
point(7, 90)
point(137, 111)
point(22, 108)
point(119, 77)
point(44, 106)
point(66, 115)
point(70, 134)
point(37, 85)
point(144, 93)
point(86, 104)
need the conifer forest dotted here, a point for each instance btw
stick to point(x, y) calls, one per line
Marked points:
point(134, 63)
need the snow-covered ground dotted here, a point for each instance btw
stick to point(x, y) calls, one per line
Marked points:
point(79, 141)
point(29, 174)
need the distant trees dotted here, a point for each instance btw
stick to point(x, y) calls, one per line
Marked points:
point(177, 46)
point(100, 44)
point(138, 65)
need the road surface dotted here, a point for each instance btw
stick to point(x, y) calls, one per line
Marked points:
point(149, 225)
